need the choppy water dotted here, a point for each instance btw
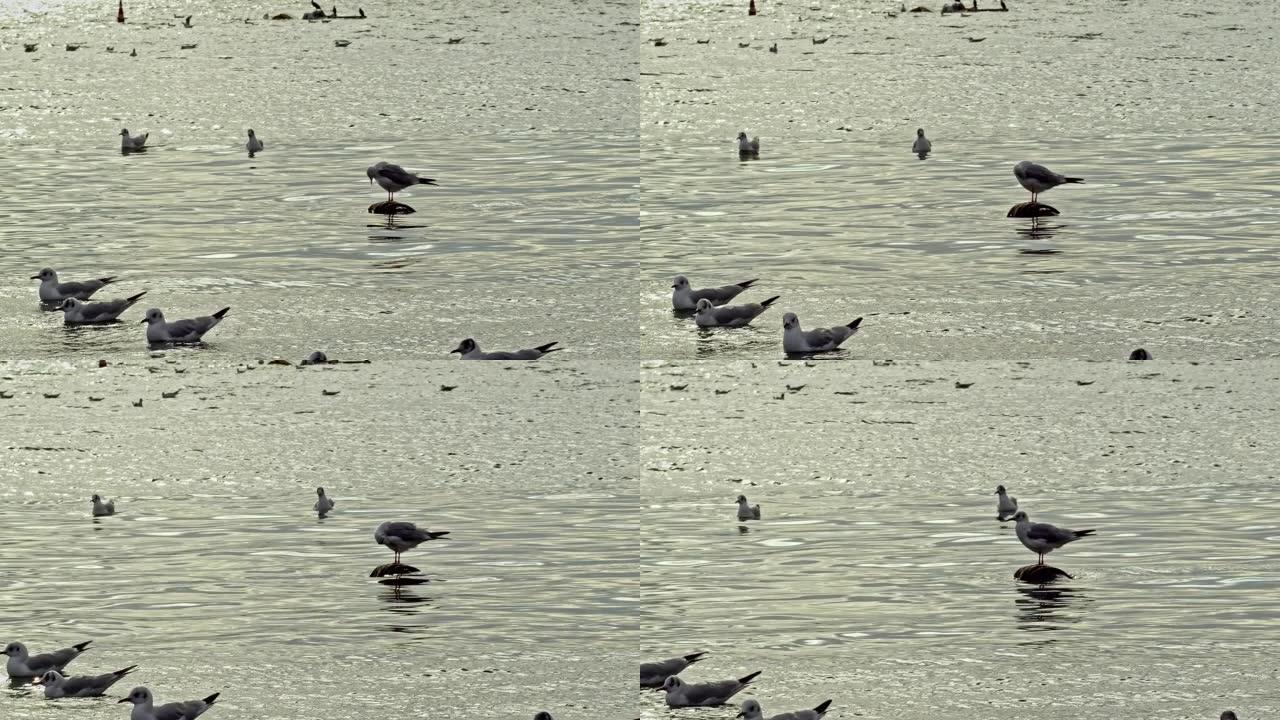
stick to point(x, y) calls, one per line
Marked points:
point(580, 168)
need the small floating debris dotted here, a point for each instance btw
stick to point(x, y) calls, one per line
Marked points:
point(704, 42)
point(95, 399)
point(963, 385)
point(744, 45)
point(659, 42)
point(6, 394)
point(102, 363)
point(795, 388)
point(170, 395)
point(454, 41)
point(341, 43)
point(448, 388)
point(678, 388)
point(821, 41)
point(189, 46)
point(30, 47)
point(330, 392)
point(72, 47)
point(52, 396)
point(722, 392)
point(1085, 382)
point(279, 361)
point(139, 403)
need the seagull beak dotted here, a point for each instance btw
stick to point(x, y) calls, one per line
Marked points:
point(741, 714)
point(122, 700)
point(456, 350)
point(143, 320)
point(35, 277)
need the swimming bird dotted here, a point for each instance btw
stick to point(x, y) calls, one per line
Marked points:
point(797, 341)
point(745, 511)
point(1038, 178)
point(57, 686)
point(79, 312)
point(1227, 715)
point(1043, 538)
point(23, 665)
point(404, 536)
point(324, 504)
point(179, 331)
point(316, 358)
point(653, 674)
point(921, 146)
point(470, 350)
point(131, 143)
point(543, 715)
point(684, 298)
point(712, 694)
point(1006, 504)
point(254, 145)
point(143, 709)
point(751, 710)
point(394, 178)
point(748, 148)
point(709, 315)
point(103, 509)
point(53, 291)
point(1139, 354)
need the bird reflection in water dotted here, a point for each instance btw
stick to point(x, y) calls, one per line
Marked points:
point(1039, 228)
point(401, 597)
point(1046, 608)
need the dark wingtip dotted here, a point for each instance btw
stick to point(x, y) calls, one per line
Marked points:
point(222, 312)
point(854, 325)
point(770, 301)
point(134, 298)
point(823, 707)
point(125, 671)
point(747, 283)
point(212, 698)
point(428, 181)
point(82, 646)
point(694, 657)
point(547, 348)
point(1074, 180)
point(1082, 533)
point(108, 280)
point(437, 534)
point(749, 678)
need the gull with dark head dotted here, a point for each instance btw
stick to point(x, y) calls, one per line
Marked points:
point(79, 312)
point(469, 349)
point(1043, 538)
point(179, 332)
point(145, 709)
point(712, 694)
point(1038, 178)
point(921, 146)
point(685, 298)
point(57, 686)
point(254, 145)
point(21, 664)
point(52, 291)
point(394, 178)
point(103, 509)
point(324, 504)
point(751, 710)
point(796, 341)
point(708, 315)
point(404, 536)
point(132, 143)
point(1006, 504)
point(745, 511)
point(748, 148)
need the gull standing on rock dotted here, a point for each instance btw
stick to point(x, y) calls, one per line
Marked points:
point(57, 686)
point(685, 298)
point(1038, 178)
point(254, 145)
point(1043, 538)
point(324, 504)
point(53, 291)
point(709, 315)
point(653, 674)
point(143, 708)
point(79, 312)
point(747, 512)
point(403, 536)
point(921, 146)
point(751, 710)
point(798, 342)
point(103, 509)
point(1006, 504)
point(748, 148)
point(23, 665)
point(682, 694)
point(132, 143)
point(160, 332)
point(470, 350)
point(394, 178)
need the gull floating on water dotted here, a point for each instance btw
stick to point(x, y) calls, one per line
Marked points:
point(130, 143)
point(394, 178)
point(797, 341)
point(745, 511)
point(160, 332)
point(57, 686)
point(543, 715)
point(23, 665)
point(143, 709)
point(404, 536)
point(1006, 505)
point(748, 148)
point(103, 509)
point(53, 291)
point(682, 694)
point(684, 298)
point(653, 674)
point(470, 350)
point(1043, 538)
point(79, 312)
point(709, 315)
point(921, 146)
point(1227, 715)
point(324, 504)
point(254, 145)
point(751, 710)
point(1038, 178)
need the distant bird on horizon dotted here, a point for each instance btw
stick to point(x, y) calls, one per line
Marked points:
point(1038, 178)
point(187, 23)
point(394, 178)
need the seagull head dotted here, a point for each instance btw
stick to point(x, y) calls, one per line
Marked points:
point(919, 132)
point(45, 274)
point(138, 696)
point(250, 132)
point(70, 304)
point(704, 305)
point(1021, 516)
point(15, 649)
point(124, 132)
point(464, 347)
point(671, 683)
point(790, 321)
point(749, 708)
point(97, 497)
point(1000, 490)
point(741, 499)
point(320, 491)
point(51, 677)
point(680, 283)
point(742, 135)
point(154, 315)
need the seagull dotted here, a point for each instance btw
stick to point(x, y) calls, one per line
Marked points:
point(921, 146)
point(469, 350)
point(543, 715)
point(1227, 715)
point(22, 665)
point(394, 178)
point(130, 143)
point(254, 145)
point(316, 358)
point(653, 674)
point(179, 331)
point(1038, 178)
point(1139, 354)
point(748, 148)
point(683, 298)
point(745, 511)
point(751, 711)
point(709, 315)
point(187, 23)
point(796, 341)
point(53, 291)
point(144, 710)
point(403, 536)
point(57, 686)
point(79, 312)
point(1043, 538)
point(101, 509)
point(681, 694)
point(1006, 505)
point(324, 504)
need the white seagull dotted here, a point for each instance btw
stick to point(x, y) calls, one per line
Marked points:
point(23, 665)
point(745, 511)
point(796, 341)
point(709, 315)
point(143, 708)
point(712, 694)
point(79, 312)
point(470, 350)
point(1038, 178)
point(53, 291)
point(131, 143)
point(921, 146)
point(685, 298)
point(404, 536)
point(1043, 538)
point(751, 710)
point(323, 504)
point(394, 178)
point(179, 331)
point(1006, 504)
point(57, 686)
point(254, 145)
point(748, 148)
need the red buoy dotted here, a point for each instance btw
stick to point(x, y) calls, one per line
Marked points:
point(120, 12)
point(750, 11)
